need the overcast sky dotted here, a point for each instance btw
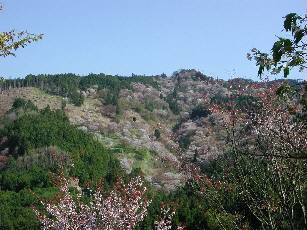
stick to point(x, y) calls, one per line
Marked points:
point(143, 36)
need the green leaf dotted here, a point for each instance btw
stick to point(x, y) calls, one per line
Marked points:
point(290, 20)
point(298, 36)
point(277, 52)
point(286, 72)
point(296, 61)
point(287, 44)
point(260, 70)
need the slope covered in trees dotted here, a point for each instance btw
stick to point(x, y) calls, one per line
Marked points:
point(40, 143)
point(258, 174)
point(202, 153)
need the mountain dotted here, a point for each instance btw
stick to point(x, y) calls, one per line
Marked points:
point(124, 114)
point(102, 127)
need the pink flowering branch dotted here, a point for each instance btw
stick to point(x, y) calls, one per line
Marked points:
point(123, 208)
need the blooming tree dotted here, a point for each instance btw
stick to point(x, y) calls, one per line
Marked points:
point(65, 212)
point(123, 208)
point(165, 222)
point(269, 166)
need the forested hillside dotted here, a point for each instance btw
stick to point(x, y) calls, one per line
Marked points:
point(186, 151)
point(159, 127)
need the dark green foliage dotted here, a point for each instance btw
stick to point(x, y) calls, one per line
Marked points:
point(49, 128)
point(115, 82)
point(191, 209)
point(280, 47)
point(76, 98)
point(112, 97)
point(173, 104)
point(66, 85)
point(69, 85)
point(219, 99)
point(63, 104)
point(15, 178)
point(15, 211)
point(118, 110)
point(216, 218)
point(113, 85)
point(251, 181)
point(30, 167)
point(291, 24)
point(176, 126)
point(157, 133)
point(247, 103)
point(20, 103)
point(287, 53)
point(171, 99)
point(185, 141)
point(199, 111)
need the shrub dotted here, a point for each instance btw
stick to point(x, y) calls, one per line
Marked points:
point(157, 133)
point(21, 103)
point(76, 98)
point(198, 112)
point(185, 141)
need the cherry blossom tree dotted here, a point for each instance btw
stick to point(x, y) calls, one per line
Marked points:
point(122, 208)
point(165, 222)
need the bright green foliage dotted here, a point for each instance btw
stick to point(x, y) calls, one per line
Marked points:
point(11, 204)
point(49, 128)
point(30, 167)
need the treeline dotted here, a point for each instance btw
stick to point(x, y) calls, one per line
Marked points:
point(70, 85)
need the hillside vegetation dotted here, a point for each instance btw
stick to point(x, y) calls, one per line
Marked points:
point(155, 152)
point(164, 128)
